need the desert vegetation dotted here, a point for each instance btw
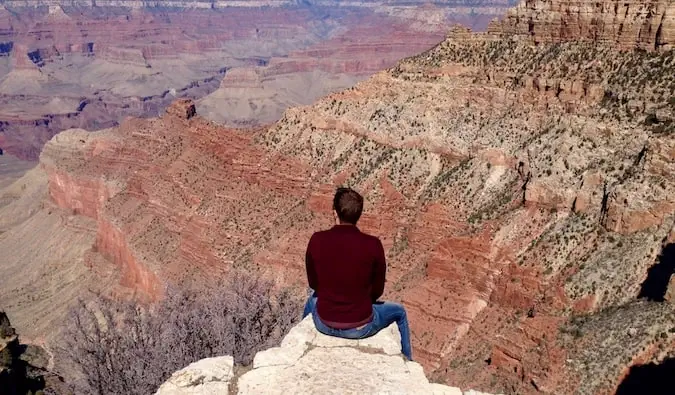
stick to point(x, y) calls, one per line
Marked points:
point(115, 347)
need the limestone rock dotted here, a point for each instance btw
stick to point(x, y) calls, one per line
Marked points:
point(308, 362)
point(207, 376)
point(295, 344)
point(340, 370)
point(9, 343)
point(23, 366)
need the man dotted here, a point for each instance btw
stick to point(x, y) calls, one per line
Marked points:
point(346, 269)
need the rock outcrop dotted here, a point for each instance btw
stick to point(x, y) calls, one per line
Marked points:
point(9, 349)
point(645, 24)
point(308, 362)
point(23, 367)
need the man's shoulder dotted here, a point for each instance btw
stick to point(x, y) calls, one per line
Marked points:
point(318, 235)
point(371, 238)
point(332, 232)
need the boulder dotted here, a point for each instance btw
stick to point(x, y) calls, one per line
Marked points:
point(6, 329)
point(309, 362)
point(207, 376)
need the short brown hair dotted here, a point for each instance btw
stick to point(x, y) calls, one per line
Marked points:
point(348, 205)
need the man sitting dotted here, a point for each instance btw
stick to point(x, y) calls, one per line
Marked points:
point(346, 269)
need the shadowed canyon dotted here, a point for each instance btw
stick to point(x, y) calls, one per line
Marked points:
point(522, 181)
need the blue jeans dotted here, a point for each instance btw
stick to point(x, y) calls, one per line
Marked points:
point(384, 314)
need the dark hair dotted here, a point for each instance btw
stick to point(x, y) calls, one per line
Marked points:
point(348, 204)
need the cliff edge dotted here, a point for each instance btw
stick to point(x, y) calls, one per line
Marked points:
point(309, 362)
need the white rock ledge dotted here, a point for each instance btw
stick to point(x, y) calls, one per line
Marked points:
point(308, 362)
point(209, 376)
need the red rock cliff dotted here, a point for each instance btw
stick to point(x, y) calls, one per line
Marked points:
point(646, 24)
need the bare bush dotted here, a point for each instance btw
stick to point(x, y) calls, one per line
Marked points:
point(125, 348)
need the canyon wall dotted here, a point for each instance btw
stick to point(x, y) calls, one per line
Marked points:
point(627, 24)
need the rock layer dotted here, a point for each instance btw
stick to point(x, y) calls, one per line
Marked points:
point(645, 24)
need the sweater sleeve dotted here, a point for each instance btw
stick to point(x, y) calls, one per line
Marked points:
point(379, 271)
point(309, 265)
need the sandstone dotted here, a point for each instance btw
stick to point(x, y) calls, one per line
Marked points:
point(310, 362)
point(184, 109)
point(22, 366)
point(670, 293)
point(6, 329)
point(648, 24)
point(9, 350)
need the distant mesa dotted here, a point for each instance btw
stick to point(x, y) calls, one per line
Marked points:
point(57, 12)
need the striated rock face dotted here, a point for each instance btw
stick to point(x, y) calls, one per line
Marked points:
point(646, 24)
point(258, 95)
point(309, 362)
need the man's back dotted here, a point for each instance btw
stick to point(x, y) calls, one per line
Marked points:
point(347, 269)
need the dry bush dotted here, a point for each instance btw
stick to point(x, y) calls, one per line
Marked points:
point(125, 348)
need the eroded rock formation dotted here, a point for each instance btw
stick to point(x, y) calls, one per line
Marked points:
point(645, 24)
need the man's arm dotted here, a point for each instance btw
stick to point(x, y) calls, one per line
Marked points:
point(379, 272)
point(309, 266)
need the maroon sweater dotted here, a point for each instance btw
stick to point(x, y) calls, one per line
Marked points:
point(346, 268)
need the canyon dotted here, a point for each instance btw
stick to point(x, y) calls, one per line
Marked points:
point(522, 181)
point(85, 64)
